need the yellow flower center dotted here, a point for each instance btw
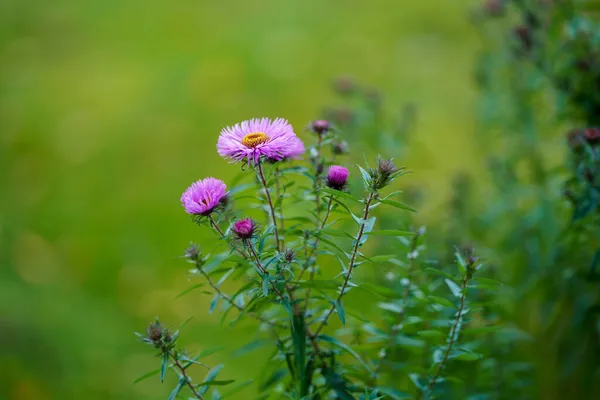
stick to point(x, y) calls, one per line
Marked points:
point(252, 140)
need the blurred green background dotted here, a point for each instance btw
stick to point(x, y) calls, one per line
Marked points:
point(109, 109)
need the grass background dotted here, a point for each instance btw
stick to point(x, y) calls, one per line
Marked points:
point(109, 109)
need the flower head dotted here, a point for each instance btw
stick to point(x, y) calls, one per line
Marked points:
point(244, 228)
point(256, 138)
point(337, 177)
point(203, 196)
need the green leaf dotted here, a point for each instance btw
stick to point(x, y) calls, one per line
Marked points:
point(339, 193)
point(332, 244)
point(382, 258)
point(265, 284)
point(441, 301)
point(344, 347)
point(345, 207)
point(175, 392)
point(191, 288)
point(212, 374)
point(217, 383)
point(393, 393)
point(213, 303)
point(466, 356)
point(208, 352)
point(397, 204)
point(365, 175)
point(378, 290)
point(164, 363)
point(488, 281)
point(395, 308)
point(454, 288)
point(147, 375)
point(429, 333)
point(392, 233)
point(238, 388)
point(439, 272)
point(340, 311)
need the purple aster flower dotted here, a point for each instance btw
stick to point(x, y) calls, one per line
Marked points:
point(256, 138)
point(337, 177)
point(203, 196)
point(244, 228)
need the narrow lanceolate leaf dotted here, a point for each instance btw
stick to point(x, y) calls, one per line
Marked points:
point(191, 288)
point(439, 272)
point(175, 392)
point(344, 347)
point(339, 193)
point(299, 343)
point(394, 394)
point(213, 303)
point(212, 374)
point(164, 363)
point(237, 388)
point(340, 311)
point(397, 204)
point(454, 288)
point(147, 375)
point(265, 284)
point(391, 233)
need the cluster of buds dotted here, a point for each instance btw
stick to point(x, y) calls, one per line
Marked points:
point(194, 255)
point(471, 262)
point(381, 176)
point(159, 337)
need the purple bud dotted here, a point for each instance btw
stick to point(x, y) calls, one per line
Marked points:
point(592, 135)
point(340, 147)
point(244, 228)
point(337, 177)
point(344, 85)
point(321, 126)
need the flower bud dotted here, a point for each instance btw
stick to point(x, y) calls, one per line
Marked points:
point(244, 228)
point(494, 8)
point(592, 135)
point(337, 177)
point(321, 126)
point(339, 148)
point(345, 85)
point(289, 255)
point(157, 334)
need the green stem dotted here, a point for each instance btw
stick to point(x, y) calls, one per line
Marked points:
point(279, 244)
point(361, 232)
point(453, 333)
point(188, 380)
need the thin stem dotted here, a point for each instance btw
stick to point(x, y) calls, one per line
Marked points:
point(273, 215)
point(280, 200)
point(361, 232)
point(234, 304)
point(314, 247)
point(453, 332)
point(317, 166)
point(308, 261)
point(214, 225)
point(188, 381)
